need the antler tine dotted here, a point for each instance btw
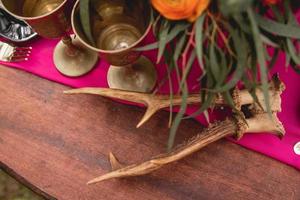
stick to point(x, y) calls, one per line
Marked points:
point(158, 102)
point(151, 110)
point(114, 162)
point(135, 97)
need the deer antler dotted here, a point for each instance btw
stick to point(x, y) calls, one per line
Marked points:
point(230, 127)
point(259, 121)
point(155, 103)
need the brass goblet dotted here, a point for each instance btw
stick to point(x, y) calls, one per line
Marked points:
point(51, 19)
point(118, 27)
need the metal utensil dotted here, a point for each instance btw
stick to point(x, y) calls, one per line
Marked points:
point(10, 53)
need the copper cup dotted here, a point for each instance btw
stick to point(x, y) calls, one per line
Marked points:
point(118, 27)
point(51, 19)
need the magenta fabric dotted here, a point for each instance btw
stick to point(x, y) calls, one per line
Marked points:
point(41, 64)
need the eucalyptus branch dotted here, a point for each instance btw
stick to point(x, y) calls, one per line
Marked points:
point(188, 46)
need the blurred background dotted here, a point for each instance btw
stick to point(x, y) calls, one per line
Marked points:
point(10, 189)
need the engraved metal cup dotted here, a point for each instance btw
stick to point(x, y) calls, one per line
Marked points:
point(51, 19)
point(118, 27)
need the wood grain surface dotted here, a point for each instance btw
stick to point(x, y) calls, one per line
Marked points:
point(55, 143)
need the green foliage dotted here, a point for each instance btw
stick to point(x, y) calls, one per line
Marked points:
point(230, 43)
point(231, 7)
point(260, 57)
point(170, 36)
point(199, 26)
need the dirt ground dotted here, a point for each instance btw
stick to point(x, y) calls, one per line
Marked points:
point(10, 189)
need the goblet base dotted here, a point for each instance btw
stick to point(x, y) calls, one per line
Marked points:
point(82, 62)
point(139, 77)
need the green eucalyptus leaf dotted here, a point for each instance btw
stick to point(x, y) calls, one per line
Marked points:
point(214, 65)
point(179, 47)
point(268, 41)
point(171, 95)
point(231, 7)
point(261, 59)
point(178, 117)
point(274, 58)
point(228, 99)
point(85, 20)
point(224, 69)
point(188, 68)
point(207, 97)
point(277, 14)
point(171, 65)
point(251, 87)
point(244, 25)
point(178, 74)
point(290, 46)
point(241, 47)
point(162, 42)
point(271, 26)
point(292, 52)
point(177, 29)
point(206, 103)
point(288, 59)
point(199, 39)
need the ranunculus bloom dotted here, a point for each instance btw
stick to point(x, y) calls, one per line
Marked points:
point(181, 9)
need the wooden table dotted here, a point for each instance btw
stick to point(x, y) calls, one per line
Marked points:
point(55, 143)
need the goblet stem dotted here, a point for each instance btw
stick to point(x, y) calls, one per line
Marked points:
point(72, 59)
point(71, 49)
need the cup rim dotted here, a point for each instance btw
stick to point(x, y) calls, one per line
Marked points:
point(33, 18)
point(102, 50)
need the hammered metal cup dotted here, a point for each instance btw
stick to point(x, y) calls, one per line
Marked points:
point(118, 27)
point(51, 19)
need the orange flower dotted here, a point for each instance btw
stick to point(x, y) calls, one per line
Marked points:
point(181, 9)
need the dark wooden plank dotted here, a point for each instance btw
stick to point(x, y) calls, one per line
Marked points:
point(56, 143)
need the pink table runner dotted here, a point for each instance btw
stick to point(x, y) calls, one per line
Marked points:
point(41, 64)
